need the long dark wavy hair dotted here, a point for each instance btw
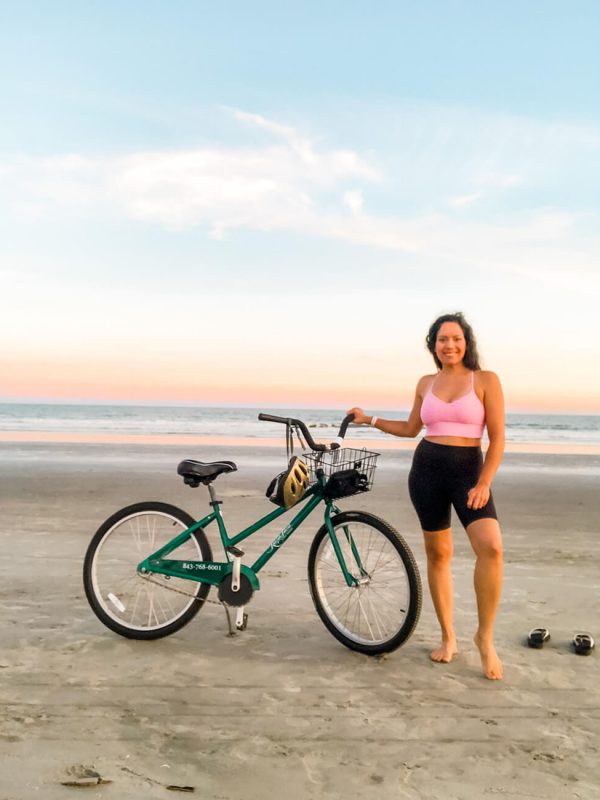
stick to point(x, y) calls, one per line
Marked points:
point(471, 359)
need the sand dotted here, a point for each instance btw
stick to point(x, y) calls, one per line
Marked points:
point(283, 708)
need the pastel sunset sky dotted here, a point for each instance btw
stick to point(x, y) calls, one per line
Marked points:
point(267, 203)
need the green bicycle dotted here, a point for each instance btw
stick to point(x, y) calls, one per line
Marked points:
point(149, 568)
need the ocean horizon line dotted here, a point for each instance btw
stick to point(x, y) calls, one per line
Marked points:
point(208, 424)
point(510, 410)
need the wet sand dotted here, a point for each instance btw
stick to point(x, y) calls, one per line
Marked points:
point(283, 706)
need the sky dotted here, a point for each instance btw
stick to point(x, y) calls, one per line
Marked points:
point(267, 204)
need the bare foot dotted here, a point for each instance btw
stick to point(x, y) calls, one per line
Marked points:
point(445, 652)
point(492, 666)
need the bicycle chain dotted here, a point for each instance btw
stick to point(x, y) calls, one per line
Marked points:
point(179, 591)
point(201, 600)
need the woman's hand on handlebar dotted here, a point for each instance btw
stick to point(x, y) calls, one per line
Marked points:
point(360, 418)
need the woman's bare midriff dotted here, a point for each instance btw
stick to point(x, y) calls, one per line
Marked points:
point(454, 441)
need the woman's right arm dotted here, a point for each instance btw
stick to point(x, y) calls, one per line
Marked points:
point(409, 428)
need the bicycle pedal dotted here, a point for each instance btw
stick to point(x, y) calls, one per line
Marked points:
point(241, 619)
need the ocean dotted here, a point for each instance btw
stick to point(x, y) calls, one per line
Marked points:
point(165, 421)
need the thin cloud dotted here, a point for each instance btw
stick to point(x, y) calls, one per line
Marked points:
point(354, 201)
point(332, 163)
point(268, 187)
point(465, 199)
point(295, 183)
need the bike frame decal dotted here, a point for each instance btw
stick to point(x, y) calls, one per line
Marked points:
point(285, 534)
point(211, 572)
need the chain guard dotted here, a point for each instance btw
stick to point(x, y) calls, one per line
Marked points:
point(240, 598)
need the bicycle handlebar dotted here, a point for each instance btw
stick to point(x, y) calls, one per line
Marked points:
point(307, 435)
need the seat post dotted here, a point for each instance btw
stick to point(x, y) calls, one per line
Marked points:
point(213, 495)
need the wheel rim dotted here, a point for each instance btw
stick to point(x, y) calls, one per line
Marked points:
point(127, 597)
point(374, 611)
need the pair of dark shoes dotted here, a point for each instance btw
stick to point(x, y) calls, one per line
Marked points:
point(583, 644)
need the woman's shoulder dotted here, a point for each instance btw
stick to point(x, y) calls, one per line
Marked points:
point(487, 382)
point(424, 383)
point(486, 377)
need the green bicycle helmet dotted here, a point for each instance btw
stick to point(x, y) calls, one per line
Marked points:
point(287, 488)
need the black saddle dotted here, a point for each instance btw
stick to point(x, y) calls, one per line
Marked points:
point(196, 472)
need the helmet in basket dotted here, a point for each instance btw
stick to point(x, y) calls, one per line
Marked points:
point(289, 486)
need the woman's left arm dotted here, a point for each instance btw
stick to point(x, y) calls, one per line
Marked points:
point(493, 402)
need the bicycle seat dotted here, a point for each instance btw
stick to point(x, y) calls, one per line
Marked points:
point(196, 472)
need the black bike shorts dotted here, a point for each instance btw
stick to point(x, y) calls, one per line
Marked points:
point(440, 477)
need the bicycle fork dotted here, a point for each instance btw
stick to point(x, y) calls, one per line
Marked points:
point(348, 577)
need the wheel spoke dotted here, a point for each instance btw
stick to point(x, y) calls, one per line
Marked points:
point(366, 619)
point(379, 623)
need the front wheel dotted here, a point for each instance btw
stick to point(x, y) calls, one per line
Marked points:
point(135, 605)
point(380, 611)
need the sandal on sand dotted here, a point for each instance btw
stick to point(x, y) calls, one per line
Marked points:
point(583, 644)
point(538, 637)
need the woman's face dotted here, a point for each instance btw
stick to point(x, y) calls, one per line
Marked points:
point(450, 344)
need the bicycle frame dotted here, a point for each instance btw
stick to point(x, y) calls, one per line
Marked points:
point(213, 572)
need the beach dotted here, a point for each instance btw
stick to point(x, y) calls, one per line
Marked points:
point(282, 705)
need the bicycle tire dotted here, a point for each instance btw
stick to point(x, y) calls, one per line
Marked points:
point(119, 596)
point(393, 584)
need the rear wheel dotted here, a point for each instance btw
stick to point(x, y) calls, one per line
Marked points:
point(132, 604)
point(379, 612)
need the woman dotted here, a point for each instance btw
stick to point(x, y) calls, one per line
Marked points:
point(448, 469)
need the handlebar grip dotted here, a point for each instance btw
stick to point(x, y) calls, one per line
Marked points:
point(344, 426)
point(337, 442)
point(273, 418)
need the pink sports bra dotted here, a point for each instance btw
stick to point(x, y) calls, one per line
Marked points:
point(464, 416)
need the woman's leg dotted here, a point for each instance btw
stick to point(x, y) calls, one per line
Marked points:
point(438, 546)
point(486, 541)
